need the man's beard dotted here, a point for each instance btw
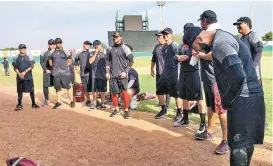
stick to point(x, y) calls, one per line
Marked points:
point(204, 48)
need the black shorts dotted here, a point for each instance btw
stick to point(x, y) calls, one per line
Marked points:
point(62, 81)
point(246, 120)
point(118, 84)
point(99, 85)
point(72, 77)
point(47, 80)
point(190, 86)
point(136, 90)
point(168, 85)
point(157, 77)
point(87, 83)
point(24, 86)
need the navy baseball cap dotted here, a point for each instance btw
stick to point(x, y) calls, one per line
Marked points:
point(167, 31)
point(21, 46)
point(96, 43)
point(51, 41)
point(208, 14)
point(58, 40)
point(241, 20)
point(159, 33)
point(116, 34)
point(191, 34)
point(188, 25)
point(87, 43)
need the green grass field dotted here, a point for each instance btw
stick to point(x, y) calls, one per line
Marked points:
point(147, 84)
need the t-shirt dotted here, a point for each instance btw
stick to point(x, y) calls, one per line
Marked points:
point(133, 75)
point(117, 59)
point(226, 47)
point(82, 60)
point(99, 66)
point(59, 62)
point(170, 64)
point(185, 65)
point(158, 58)
point(5, 63)
point(22, 63)
point(44, 57)
point(207, 70)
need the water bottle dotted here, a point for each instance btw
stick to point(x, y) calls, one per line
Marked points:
point(133, 104)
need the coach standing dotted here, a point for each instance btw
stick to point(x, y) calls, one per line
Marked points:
point(60, 60)
point(158, 62)
point(23, 65)
point(239, 88)
point(47, 71)
point(85, 70)
point(119, 59)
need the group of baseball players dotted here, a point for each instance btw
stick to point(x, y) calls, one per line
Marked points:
point(229, 69)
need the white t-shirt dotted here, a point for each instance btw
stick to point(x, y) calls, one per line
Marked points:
point(214, 26)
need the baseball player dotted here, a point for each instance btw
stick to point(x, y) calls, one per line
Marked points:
point(239, 87)
point(23, 65)
point(6, 66)
point(60, 60)
point(47, 70)
point(83, 68)
point(99, 82)
point(158, 61)
point(119, 59)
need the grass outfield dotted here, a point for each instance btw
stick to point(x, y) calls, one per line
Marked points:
point(147, 84)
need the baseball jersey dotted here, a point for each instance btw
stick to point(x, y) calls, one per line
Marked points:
point(22, 63)
point(99, 66)
point(44, 57)
point(158, 58)
point(170, 64)
point(59, 62)
point(82, 60)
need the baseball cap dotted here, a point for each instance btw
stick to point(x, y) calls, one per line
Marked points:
point(191, 34)
point(96, 43)
point(116, 34)
point(51, 41)
point(87, 43)
point(208, 14)
point(21, 46)
point(58, 40)
point(188, 25)
point(159, 33)
point(243, 20)
point(167, 30)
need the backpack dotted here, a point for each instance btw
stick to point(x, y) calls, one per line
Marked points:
point(21, 161)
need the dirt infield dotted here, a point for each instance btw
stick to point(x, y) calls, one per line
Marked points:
point(78, 137)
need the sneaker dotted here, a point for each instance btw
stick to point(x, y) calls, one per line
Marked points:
point(72, 104)
point(210, 136)
point(46, 103)
point(201, 133)
point(115, 112)
point(18, 107)
point(126, 114)
point(178, 116)
point(35, 106)
point(161, 114)
point(88, 103)
point(103, 106)
point(182, 123)
point(92, 106)
point(222, 148)
point(57, 105)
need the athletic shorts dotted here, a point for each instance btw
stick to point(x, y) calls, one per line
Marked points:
point(48, 80)
point(117, 85)
point(87, 83)
point(190, 86)
point(99, 85)
point(213, 98)
point(62, 82)
point(157, 77)
point(24, 86)
point(168, 85)
point(246, 120)
point(72, 78)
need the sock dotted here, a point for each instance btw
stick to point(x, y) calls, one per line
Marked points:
point(46, 92)
point(114, 100)
point(185, 114)
point(163, 107)
point(203, 118)
point(32, 96)
point(20, 97)
point(126, 99)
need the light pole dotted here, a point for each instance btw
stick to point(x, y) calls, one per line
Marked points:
point(161, 4)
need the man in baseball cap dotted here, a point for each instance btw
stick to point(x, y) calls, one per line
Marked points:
point(158, 62)
point(243, 99)
point(47, 70)
point(23, 64)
